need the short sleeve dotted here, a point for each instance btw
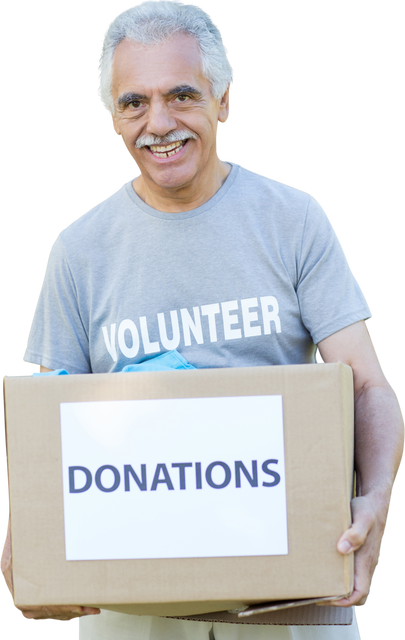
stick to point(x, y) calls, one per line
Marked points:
point(329, 297)
point(58, 337)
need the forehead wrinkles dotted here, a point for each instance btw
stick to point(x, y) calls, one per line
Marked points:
point(155, 69)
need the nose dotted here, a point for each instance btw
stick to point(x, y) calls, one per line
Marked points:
point(160, 120)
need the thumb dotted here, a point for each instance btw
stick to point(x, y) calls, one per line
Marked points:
point(363, 521)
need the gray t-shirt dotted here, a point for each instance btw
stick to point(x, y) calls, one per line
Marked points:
point(255, 276)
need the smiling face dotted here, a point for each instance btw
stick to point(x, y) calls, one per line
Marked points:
point(165, 112)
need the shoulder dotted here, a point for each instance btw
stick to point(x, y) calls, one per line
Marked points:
point(96, 224)
point(275, 200)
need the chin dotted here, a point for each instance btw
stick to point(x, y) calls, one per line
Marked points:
point(173, 178)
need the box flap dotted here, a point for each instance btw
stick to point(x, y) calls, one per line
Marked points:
point(301, 615)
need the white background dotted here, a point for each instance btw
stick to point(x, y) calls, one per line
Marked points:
point(175, 523)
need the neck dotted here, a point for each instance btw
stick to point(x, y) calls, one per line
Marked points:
point(186, 197)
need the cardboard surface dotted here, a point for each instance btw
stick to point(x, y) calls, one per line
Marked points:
point(318, 440)
point(298, 615)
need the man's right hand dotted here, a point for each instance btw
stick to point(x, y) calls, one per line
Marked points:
point(57, 612)
point(63, 612)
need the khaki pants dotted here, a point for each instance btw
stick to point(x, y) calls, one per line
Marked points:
point(118, 626)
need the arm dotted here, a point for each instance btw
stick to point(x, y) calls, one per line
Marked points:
point(63, 614)
point(378, 422)
point(379, 441)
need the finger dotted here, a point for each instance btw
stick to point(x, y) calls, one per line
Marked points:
point(336, 603)
point(58, 613)
point(58, 619)
point(352, 540)
point(355, 536)
point(357, 598)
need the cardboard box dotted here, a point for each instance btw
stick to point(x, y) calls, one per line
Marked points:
point(197, 480)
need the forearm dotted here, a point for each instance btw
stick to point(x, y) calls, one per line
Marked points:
point(379, 441)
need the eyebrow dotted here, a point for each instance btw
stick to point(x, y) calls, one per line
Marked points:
point(129, 97)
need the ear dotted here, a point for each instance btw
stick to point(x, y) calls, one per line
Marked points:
point(223, 112)
point(116, 125)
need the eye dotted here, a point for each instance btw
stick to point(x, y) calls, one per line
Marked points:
point(134, 104)
point(182, 98)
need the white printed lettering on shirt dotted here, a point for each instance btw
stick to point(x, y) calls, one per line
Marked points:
point(191, 324)
point(268, 316)
point(249, 317)
point(211, 311)
point(129, 352)
point(110, 342)
point(175, 340)
point(148, 346)
point(229, 319)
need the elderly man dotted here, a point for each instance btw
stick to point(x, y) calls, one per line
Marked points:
point(204, 256)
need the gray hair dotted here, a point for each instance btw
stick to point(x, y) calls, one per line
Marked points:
point(153, 22)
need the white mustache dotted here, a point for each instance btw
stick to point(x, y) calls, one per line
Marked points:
point(173, 136)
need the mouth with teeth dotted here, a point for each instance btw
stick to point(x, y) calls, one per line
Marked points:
point(168, 150)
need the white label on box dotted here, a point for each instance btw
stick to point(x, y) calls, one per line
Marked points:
point(176, 478)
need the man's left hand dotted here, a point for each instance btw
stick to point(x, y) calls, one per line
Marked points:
point(365, 537)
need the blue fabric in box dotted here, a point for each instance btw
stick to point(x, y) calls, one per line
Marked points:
point(164, 362)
